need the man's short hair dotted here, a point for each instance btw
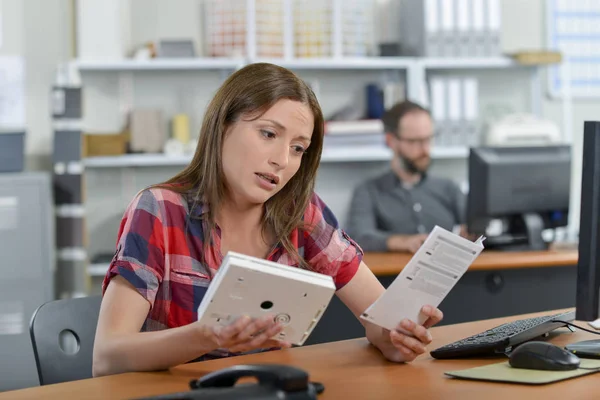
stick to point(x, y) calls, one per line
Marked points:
point(391, 118)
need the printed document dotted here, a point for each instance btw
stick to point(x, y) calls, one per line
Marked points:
point(426, 280)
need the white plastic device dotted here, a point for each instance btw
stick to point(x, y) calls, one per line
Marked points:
point(523, 130)
point(246, 285)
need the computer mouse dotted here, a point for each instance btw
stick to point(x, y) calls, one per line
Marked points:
point(543, 356)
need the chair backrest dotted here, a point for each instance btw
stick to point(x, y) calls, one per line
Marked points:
point(62, 334)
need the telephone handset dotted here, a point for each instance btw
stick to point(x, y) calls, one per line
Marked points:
point(275, 381)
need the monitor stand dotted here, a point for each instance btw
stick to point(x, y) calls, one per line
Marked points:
point(534, 225)
point(524, 234)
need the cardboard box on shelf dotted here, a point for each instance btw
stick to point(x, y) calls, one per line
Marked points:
point(95, 144)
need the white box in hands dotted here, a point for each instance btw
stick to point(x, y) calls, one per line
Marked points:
point(251, 286)
point(426, 280)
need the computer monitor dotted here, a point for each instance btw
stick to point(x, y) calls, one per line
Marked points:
point(588, 264)
point(527, 189)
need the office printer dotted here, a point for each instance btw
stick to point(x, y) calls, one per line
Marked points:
point(522, 130)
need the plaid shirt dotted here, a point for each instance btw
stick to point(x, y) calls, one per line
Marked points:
point(162, 262)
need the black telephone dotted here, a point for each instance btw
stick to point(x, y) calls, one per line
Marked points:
point(275, 381)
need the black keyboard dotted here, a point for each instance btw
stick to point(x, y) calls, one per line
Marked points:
point(501, 339)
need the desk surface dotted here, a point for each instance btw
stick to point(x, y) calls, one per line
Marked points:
point(392, 263)
point(349, 369)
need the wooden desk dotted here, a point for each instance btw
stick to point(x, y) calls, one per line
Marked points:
point(392, 263)
point(349, 369)
point(498, 284)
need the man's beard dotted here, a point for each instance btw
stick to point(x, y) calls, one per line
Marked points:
point(411, 167)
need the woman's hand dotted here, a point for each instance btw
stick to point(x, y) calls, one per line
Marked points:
point(409, 340)
point(245, 334)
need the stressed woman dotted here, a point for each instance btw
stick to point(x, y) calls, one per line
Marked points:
point(249, 188)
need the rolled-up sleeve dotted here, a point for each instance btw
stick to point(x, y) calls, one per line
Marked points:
point(140, 254)
point(328, 249)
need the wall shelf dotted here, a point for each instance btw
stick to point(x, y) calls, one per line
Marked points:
point(342, 63)
point(207, 63)
point(136, 160)
point(166, 64)
point(338, 154)
point(469, 62)
point(416, 68)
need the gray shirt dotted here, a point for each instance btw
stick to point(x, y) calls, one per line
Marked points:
point(383, 206)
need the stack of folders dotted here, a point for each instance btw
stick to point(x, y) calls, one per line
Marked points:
point(454, 107)
point(450, 28)
point(359, 134)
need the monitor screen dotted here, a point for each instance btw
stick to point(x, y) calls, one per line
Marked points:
point(528, 188)
point(588, 267)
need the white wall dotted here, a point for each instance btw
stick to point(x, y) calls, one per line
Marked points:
point(525, 28)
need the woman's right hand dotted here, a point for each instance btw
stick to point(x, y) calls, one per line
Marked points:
point(245, 334)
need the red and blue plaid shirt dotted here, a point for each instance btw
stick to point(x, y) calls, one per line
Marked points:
point(159, 247)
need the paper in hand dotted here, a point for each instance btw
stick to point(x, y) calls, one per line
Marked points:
point(426, 280)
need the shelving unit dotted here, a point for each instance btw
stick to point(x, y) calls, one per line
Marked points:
point(416, 70)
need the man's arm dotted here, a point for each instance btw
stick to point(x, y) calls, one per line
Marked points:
point(362, 227)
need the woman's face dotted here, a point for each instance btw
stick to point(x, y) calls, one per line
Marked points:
point(261, 156)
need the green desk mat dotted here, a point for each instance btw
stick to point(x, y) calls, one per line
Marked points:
point(503, 372)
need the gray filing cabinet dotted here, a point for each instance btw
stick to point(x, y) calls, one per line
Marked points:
point(26, 270)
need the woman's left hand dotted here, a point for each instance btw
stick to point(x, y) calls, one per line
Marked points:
point(404, 347)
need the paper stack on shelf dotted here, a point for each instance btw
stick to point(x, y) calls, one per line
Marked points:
point(361, 133)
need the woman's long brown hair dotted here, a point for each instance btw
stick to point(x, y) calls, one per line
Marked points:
point(248, 93)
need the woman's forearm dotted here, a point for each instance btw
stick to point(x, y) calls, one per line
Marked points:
point(149, 351)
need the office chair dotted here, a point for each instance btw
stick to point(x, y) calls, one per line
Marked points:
point(62, 334)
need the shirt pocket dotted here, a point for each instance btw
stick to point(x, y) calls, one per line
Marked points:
point(188, 276)
point(187, 288)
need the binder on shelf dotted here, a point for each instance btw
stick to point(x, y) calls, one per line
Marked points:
point(449, 39)
point(478, 41)
point(438, 109)
point(420, 28)
point(454, 102)
point(463, 28)
point(492, 31)
point(470, 88)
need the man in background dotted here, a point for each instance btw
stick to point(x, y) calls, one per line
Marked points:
point(396, 211)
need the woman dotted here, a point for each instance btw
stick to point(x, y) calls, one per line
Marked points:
point(249, 189)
